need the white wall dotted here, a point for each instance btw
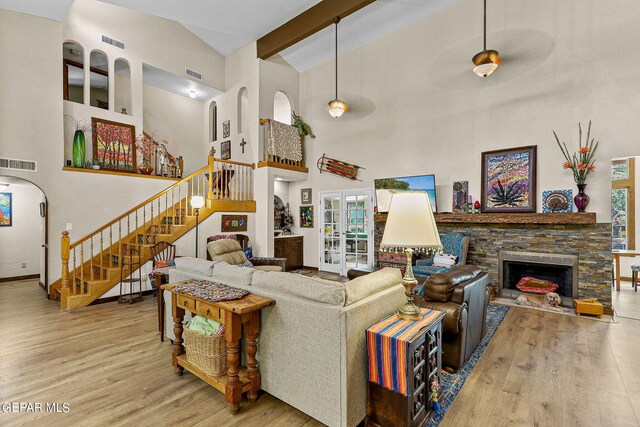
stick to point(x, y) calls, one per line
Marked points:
point(177, 119)
point(281, 189)
point(417, 108)
point(21, 243)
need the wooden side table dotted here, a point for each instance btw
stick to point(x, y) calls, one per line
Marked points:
point(243, 313)
point(390, 409)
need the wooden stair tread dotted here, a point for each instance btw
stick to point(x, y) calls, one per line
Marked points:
point(111, 272)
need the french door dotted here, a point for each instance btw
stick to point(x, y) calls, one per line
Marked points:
point(346, 230)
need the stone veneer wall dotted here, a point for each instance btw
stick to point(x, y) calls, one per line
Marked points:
point(591, 243)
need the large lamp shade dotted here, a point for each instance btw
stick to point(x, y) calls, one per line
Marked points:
point(411, 224)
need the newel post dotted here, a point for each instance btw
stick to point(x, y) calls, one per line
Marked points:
point(211, 160)
point(65, 253)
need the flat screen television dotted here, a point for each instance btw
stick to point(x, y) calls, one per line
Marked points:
point(387, 186)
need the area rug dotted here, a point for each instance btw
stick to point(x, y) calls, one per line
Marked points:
point(452, 383)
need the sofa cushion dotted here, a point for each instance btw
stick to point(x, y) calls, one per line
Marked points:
point(310, 288)
point(197, 266)
point(440, 286)
point(226, 250)
point(364, 286)
point(232, 274)
point(268, 267)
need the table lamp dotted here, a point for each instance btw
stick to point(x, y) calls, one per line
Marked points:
point(410, 228)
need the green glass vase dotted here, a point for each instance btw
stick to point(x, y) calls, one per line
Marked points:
point(79, 149)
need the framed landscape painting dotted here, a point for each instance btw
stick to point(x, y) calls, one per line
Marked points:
point(114, 145)
point(6, 214)
point(509, 180)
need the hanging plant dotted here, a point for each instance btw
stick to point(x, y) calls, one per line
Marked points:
point(303, 128)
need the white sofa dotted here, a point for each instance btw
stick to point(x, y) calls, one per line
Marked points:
point(311, 349)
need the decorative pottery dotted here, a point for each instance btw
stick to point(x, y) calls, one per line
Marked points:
point(79, 149)
point(554, 201)
point(582, 199)
point(145, 167)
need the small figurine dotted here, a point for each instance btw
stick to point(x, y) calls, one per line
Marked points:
point(470, 205)
point(476, 207)
point(180, 166)
point(435, 386)
point(124, 111)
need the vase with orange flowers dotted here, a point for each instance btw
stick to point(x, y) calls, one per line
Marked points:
point(147, 145)
point(581, 163)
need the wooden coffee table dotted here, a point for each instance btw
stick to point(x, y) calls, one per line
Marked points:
point(243, 313)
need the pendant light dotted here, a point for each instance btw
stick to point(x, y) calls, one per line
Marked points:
point(337, 107)
point(488, 60)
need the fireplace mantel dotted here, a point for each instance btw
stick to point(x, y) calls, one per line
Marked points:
point(510, 218)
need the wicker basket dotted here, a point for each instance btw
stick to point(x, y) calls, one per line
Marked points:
point(206, 352)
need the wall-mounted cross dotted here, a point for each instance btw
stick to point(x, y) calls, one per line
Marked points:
point(242, 144)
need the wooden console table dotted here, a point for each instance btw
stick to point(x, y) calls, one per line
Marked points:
point(236, 315)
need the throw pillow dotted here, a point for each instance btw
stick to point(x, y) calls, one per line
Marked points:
point(165, 263)
point(248, 252)
point(444, 260)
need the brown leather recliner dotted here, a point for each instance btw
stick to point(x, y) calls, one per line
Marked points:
point(462, 294)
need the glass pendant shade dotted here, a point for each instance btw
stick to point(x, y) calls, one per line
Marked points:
point(483, 70)
point(337, 108)
point(486, 62)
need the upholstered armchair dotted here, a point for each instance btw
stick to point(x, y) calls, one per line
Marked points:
point(229, 251)
point(452, 244)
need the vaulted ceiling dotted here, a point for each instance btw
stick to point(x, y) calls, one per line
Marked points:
point(227, 25)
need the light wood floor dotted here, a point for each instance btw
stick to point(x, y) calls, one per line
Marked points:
point(108, 363)
point(546, 369)
point(627, 301)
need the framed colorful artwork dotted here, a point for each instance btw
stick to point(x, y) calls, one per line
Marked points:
point(234, 223)
point(555, 201)
point(509, 180)
point(306, 216)
point(6, 214)
point(114, 145)
point(225, 150)
point(305, 196)
point(226, 129)
point(460, 202)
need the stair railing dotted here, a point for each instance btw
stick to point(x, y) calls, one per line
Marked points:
point(91, 257)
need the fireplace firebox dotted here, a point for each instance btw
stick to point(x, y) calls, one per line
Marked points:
point(557, 268)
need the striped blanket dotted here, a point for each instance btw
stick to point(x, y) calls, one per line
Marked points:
point(387, 344)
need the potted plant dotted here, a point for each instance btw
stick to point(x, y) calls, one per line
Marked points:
point(582, 163)
point(303, 128)
point(80, 129)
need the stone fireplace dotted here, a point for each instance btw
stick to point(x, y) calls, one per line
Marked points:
point(587, 244)
point(557, 268)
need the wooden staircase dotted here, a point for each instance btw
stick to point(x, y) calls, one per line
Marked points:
point(91, 265)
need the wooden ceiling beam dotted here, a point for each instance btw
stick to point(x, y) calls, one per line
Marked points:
point(306, 24)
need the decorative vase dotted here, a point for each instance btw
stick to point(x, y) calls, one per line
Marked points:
point(582, 199)
point(145, 167)
point(78, 149)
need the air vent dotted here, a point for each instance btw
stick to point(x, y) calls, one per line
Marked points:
point(113, 42)
point(22, 165)
point(192, 73)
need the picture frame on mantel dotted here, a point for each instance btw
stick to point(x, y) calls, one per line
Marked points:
point(509, 180)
